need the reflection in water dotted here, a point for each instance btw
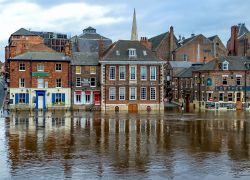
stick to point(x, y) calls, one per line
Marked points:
point(73, 144)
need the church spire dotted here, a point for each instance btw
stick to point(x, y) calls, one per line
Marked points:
point(134, 35)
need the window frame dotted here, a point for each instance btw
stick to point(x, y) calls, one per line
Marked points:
point(151, 88)
point(20, 83)
point(23, 66)
point(130, 93)
point(113, 90)
point(92, 69)
point(39, 83)
point(92, 81)
point(40, 65)
point(77, 69)
point(77, 78)
point(58, 65)
point(152, 67)
point(143, 67)
point(141, 93)
point(124, 94)
point(122, 67)
point(130, 73)
point(114, 73)
point(57, 79)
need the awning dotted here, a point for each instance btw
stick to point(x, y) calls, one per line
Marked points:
point(96, 92)
point(78, 92)
point(87, 92)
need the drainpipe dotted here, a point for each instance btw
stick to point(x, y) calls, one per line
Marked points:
point(245, 89)
point(199, 90)
point(105, 100)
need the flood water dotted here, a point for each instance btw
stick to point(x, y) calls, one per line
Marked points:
point(94, 145)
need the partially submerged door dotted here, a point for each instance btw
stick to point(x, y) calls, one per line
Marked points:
point(238, 101)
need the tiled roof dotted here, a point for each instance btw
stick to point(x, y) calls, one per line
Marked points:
point(42, 56)
point(23, 32)
point(157, 40)
point(235, 63)
point(122, 46)
point(85, 58)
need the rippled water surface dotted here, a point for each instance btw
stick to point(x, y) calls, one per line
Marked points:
point(87, 145)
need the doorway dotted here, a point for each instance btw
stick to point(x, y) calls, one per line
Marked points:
point(238, 101)
point(133, 108)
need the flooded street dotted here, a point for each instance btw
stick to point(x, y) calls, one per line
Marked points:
point(94, 145)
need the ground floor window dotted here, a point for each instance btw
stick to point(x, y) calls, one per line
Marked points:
point(78, 98)
point(58, 98)
point(221, 96)
point(209, 97)
point(230, 96)
point(152, 93)
point(87, 98)
point(21, 98)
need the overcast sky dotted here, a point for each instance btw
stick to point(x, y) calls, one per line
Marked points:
point(113, 18)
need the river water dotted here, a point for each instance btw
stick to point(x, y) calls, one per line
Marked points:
point(94, 145)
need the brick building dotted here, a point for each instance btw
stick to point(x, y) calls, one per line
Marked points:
point(199, 49)
point(164, 45)
point(39, 80)
point(132, 78)
point(85, 81)
point(239, 42)
point(88, 41)
point(223, 83)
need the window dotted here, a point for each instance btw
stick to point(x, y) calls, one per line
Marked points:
point(58, 67)
point(230, 96)
point(185, 57)
point(58, 98)
point(224, 80)
point(78, 69)
point(58, 82)
point(40, 83)
point(112, 93)
point(40, 67)
point(152, 73)
point(21, 67)
point(225, 65)
point(221, 96)
point(21, 99)
point(21, 82)
point(202, 80)
point(143, 73)
point(87, 98)
point(132, 93)
point(209, 97)
point(78, 98)
point(143, 93)
point(132, 73)
point(238, 80)
point(92, 82)
point(144, 53)
point(122, 93)
point(78, 82)
point(132, 52)
point(122, 72)
point(152, 93)
point(92, 70)
point(117, 53)
point(112, 73)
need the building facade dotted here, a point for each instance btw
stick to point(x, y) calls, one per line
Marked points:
point(85, 81)
point(39, 80)
point(132, 78)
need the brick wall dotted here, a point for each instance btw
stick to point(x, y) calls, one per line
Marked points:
point(31, 82)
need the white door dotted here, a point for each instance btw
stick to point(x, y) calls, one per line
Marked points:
point(40, 102)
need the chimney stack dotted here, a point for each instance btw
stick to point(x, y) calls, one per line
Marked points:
point(144, 41)
point(171, 43)
point(233, 44)
point(101, 47)
point(67, 49)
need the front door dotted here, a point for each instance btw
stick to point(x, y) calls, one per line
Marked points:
point(97, 99)
point(238, 101)
point(40, 102)
point(132, 107)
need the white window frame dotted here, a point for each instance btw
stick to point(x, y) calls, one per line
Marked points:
point(130, 74)
point(92, 81)
point(122, 89)
point(142, 93)
point(130, 93)
point(151, 88)
point(112, 93)
point(225, 65)
point(89, 98)
point(151, 71)
point(78, 102)
point(58, 82)
point(77, 79)
point(41, 83)
point(57, 65)
point(122, 71)
point(132, 52)
point(92, 72)
point(22, 67)
point(40, 67)
point(110, 78)
point(144, 67)
point(21, 84)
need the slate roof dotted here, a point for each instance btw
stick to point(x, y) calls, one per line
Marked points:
point(212, 37)
point(187, 73)
point(156, 40)
point(85, 58)
point(42, 56)
point(23, 32)
point(242, 29)
point(235, 63)
point(180, 64)
point(122, 46)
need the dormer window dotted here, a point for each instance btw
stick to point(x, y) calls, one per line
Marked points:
point(225, 65)
point(144, 52)
point(117, 53)
point(132, 52)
